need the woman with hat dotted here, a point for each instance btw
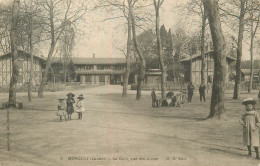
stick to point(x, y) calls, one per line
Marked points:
point(251, 123)
point(70, 100)
point(80, 106)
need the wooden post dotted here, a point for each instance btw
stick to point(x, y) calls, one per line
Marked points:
point(8, 130)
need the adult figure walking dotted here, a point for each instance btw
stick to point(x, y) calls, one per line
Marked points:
point(70, 101)
point(190, 91)
point(202, 92)
point(153, 94)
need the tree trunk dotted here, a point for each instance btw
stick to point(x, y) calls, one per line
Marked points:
point(157, 6)
point(31, 54)
point(140, 78)
point(127, 70)
point(52, 47)
point(190, 66)
point(239, 51)
point(202, 47)
point(251, 59)
point(217, 107)
point(65, 68)
point(14, 50)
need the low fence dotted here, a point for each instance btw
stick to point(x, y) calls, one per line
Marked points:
point(168, 86)
point(49, 87)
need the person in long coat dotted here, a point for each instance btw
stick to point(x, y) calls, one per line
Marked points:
point(70, 101)
point(251, 123)
point(153, 94)
point(190, 91)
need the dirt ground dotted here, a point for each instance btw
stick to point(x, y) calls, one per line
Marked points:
point(119, 131)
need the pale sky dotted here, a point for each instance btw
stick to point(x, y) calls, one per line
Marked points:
point(104, 37)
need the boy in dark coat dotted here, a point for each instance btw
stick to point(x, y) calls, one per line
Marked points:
point(70, 101)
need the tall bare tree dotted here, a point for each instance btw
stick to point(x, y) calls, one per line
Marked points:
point(239, 50)
point(157, 5)
point(67, 43)
point(202, 43)
point(14, 51)
point(56, 30)
point(217, 107)
point(254, 13)
point(196, 7)
point(128, 55)
point(139, 53)
point(123, 7)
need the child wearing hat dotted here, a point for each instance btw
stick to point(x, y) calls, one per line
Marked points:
point(251, 123)
point(61, 109)
point(70, 101)
point(80, 106)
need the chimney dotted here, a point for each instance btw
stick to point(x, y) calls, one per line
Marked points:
point(94, 55)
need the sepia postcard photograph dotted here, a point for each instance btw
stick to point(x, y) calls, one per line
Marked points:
point(129, 82)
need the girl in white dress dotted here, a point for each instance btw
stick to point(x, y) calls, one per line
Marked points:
point(62, 109)
point(80, 106)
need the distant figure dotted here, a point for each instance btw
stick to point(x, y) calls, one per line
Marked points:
point(177, 101)
point(62, 109)
point(80, 106)
point(251, 123)
point(259, 96)
point(153, 94)
point(170, 98)
point(70, 101)
point(170, 94)
point(202, 92)
point(190, 91)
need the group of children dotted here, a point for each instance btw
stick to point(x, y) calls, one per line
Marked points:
point(172, 99)
point(65, 109)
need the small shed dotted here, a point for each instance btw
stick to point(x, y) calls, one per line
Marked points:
point(245, 75)
point(24, 64)
point(192, 67)
point(153, 76)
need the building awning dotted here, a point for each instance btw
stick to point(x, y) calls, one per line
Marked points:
point(248, 71)
point(96, 61)
point(100, 72)
point(188, 58)
point(20, 53)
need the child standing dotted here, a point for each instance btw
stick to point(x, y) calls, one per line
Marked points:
point(70, 101)
point(251, 123)
point(80, 106)
point(61, 109)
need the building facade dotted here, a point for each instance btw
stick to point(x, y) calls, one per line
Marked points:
point(24, 64)
point(192, 68)
point(100, 71)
